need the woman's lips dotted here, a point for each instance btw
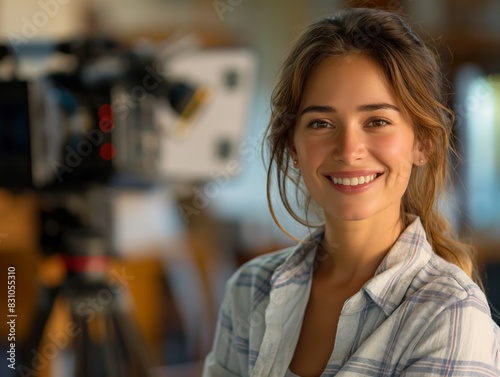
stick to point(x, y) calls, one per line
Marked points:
point(353, 182)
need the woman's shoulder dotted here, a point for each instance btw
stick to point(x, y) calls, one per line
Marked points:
point(446, 285)
point(440, 271)
point(260, 268)
point(249, 287)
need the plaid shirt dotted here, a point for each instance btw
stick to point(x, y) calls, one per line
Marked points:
point(418, 316)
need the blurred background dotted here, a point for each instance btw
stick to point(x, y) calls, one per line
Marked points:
point(131, 169)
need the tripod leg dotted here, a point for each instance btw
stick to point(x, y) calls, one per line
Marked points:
point(82, 345)
point(107, 343)
point(92, 345)
point(114, 355)
point(44, 305)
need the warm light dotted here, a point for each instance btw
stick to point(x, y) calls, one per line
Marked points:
point(106, 123)
point(107, 151)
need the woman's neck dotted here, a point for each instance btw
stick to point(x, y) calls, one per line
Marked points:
point(352, 250)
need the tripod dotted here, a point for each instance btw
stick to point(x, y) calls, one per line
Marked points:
point(104, 341)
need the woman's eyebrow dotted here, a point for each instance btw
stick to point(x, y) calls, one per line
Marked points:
point(318, 109)
point(378, 106)
point(367, 107)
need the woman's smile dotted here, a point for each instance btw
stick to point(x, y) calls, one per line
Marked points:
point(352, 182)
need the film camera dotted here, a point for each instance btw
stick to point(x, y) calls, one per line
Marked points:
point(92, 123)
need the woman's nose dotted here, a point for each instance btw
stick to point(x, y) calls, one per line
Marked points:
point(349, 146)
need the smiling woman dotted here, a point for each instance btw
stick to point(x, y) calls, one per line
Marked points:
point(382, 286)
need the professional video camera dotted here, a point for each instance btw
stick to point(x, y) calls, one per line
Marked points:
point(111, 116)
point(92, 123)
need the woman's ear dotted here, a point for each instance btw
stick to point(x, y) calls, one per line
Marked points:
point(421, 151)
point(293, 151)
point(293, 154)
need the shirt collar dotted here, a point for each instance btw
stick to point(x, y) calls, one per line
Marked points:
point(394, 275)
point(392, 278)
point(297, 267)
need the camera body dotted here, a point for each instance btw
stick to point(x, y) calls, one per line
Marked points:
point(65, 130)
point(125, 118)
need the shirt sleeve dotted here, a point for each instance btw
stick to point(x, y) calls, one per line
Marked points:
point(462, 340)
point(221, 361)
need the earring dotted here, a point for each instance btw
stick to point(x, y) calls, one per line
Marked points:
point(421, 161)
point(295, 162)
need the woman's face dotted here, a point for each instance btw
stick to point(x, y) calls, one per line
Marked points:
point(354, 142)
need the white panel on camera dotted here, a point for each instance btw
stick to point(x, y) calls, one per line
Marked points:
point(207, 144)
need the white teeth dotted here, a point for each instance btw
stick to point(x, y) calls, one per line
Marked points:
point(354, 181)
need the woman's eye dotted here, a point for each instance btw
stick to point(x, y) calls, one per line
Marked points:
point(320, 124)
point(378, 123)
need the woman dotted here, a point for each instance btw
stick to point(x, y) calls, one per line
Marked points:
point(382, 288)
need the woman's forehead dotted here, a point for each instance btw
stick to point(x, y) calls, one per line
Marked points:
point(349, 80)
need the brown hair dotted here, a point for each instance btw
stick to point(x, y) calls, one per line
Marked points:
point(414, 74)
